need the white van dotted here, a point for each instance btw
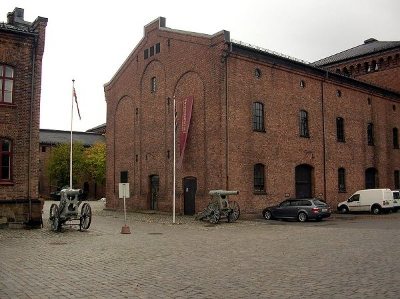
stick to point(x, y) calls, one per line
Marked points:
point(396, 200)
point(370, 200)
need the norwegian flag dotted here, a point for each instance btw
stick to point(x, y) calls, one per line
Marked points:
point(76, 101)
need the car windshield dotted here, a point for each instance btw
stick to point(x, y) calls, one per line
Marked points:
point(319, 203)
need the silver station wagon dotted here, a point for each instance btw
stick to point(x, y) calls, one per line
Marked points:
point(301, 209)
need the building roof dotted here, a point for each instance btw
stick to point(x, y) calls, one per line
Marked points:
point(14, 28)
point(295, 64)
point(98, 128)
point(369, 46)
point(57, 136)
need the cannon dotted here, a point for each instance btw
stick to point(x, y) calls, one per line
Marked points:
point(220, 207)
point(68, 210)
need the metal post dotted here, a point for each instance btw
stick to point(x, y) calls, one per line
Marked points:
point(125, 229)
point(70, 154)
point(174, 167)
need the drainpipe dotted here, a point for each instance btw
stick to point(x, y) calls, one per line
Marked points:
point(34, 44)
point(324, 134)
point(225, 56)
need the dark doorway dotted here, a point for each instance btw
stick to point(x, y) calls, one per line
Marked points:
point(190, 188)
point(303, 177)
point(371, 178)
point(154, 188)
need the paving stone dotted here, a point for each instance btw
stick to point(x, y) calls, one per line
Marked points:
point(336, 258)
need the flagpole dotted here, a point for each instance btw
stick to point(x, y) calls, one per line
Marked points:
point(174, 167)
point(70, 154)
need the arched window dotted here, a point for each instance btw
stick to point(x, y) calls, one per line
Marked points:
point(259, 178)
point(346, 72)
point(340, 129)
point(304, 181)
point(374, 66)
point(371, 178)
point(6, 83)
point(258, 117)
point(5, 160)
point(367, 68)
point(342, 180)
point(303, 125)
point(395, 138)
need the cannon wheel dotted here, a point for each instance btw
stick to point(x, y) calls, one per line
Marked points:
point(55, 218)
point(86, 216)
point(235, 211)
point(214, 216)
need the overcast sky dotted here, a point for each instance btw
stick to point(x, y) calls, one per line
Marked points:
point(89, 40)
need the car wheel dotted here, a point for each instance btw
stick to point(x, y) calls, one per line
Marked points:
point(302, 217)
point(343, 209)
point(267, 215)
point(375, 209)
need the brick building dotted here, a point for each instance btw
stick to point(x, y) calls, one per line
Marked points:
point(51, 138)
point(374, 61)
point(21, 52)
point(267, 125)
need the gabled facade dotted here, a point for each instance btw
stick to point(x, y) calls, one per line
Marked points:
point(21, 52)
point(266, 125)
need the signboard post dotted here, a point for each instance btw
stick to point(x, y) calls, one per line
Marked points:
point(124, 193)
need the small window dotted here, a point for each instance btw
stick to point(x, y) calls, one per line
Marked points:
point(153, 84)
point(43, 149)
point(257, 73)
point(124, 177)
point(6, 84)
point(258, 117)
point(146, 53)
point(340, 129)
point(395, 138)
point(5, 160)
point(157, 48)
point(342, 180)
point(370, 134)
point(304, 124)
point(394, 107)
point(259, 178)
point(302, 84)
point(151, 51)
point(338, 93)
point(369, 101)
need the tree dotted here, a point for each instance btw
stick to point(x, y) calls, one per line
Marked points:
point(95, 159)
point(58, 167)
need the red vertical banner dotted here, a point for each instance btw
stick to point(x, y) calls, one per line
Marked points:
point(187, 107)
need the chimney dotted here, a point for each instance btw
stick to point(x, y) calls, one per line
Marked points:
point(16, 17)
point(370, 40)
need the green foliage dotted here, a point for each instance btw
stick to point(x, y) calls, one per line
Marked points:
point(95, 158)
point(59, 164)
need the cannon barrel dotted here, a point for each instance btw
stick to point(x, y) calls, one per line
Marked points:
point(71, 192)
point(223, 192)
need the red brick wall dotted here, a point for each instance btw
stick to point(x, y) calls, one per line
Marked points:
point(222, 147)
point(20, 121)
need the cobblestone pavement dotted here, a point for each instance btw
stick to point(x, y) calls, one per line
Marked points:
point(353, 256)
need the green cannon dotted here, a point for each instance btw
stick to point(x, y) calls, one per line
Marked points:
point(68, 210)
point(220, 207)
